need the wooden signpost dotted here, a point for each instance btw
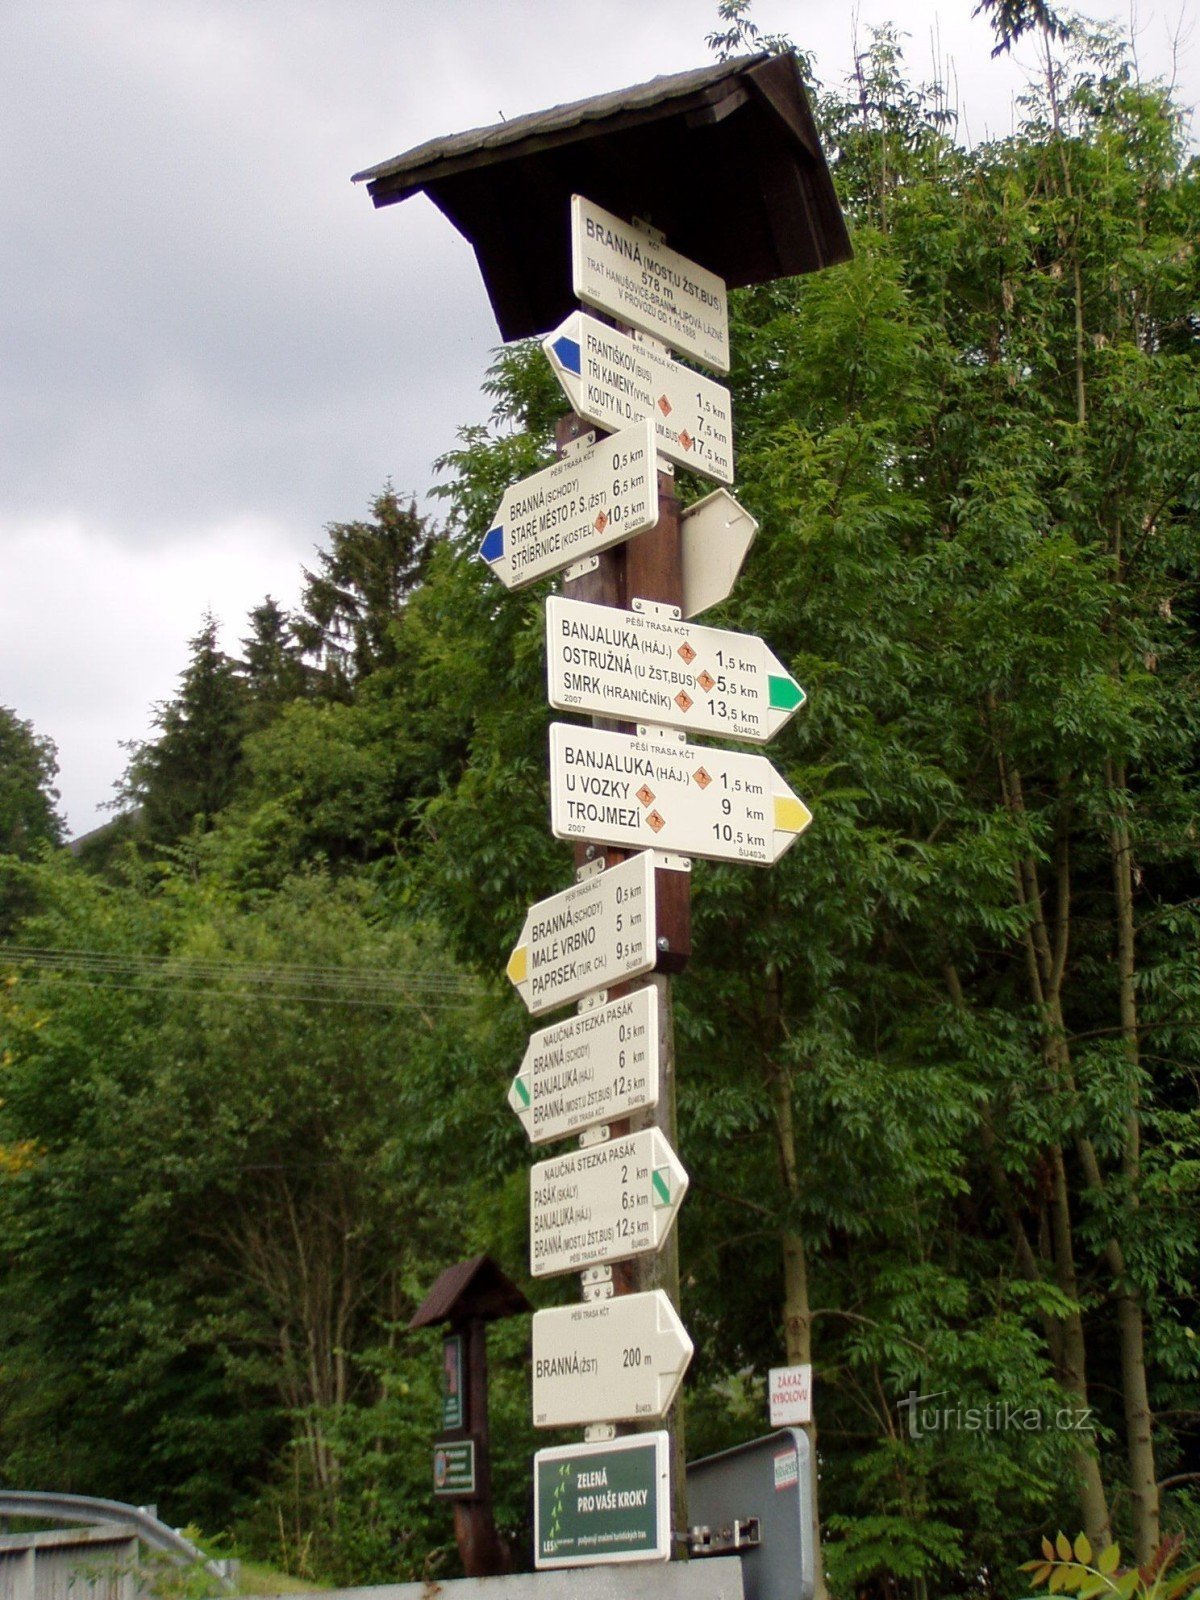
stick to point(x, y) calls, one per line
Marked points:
point(465, 1298)
point(727, 160)
point(620, 648)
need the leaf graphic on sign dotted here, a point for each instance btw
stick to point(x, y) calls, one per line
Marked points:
point(664, 405)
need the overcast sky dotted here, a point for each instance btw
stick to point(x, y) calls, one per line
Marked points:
point(211, 345)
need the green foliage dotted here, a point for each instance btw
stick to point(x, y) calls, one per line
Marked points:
point(948, 1045)
point(27, 769)
point(184, 777)
point(1076, 1569)
point(350, 603)
point(29, 823)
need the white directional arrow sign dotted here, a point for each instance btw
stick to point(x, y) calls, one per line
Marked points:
point(583, 504)
point(717, 532)
point(723, 804)
point(627, 269)
point(605, 1203)
point(589, 1069)
point(647, 667)
point(595, 934)
point(613, 380)
point(607, 1360)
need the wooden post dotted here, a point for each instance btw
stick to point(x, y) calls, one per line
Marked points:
point(467, 1296)
point(647, 567)
point(480, 1548)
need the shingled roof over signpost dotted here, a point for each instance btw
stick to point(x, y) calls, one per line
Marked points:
point(474, 1288)
point(725, 161)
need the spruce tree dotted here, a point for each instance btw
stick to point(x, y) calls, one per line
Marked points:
point(362, 581)
point(189, 772)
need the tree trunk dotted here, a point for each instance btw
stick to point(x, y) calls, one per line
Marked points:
point(797, 1312)
point(1139, 1438)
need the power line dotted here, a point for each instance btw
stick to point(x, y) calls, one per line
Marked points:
point(324, 984)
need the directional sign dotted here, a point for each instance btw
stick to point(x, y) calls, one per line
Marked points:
point(628, 270)
point(605, 1502)
point(652, 668)
point(605, 1203)
point(723, 804)
point(595, 934)
point(582, 504)
point(607, 1360)
point(589, 1069)
point(613, 380)
point(717, 532)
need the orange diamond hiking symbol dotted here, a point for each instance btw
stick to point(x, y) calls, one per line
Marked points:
point(664, 405)
point(688, 654)
point(686, 440)
point(645, 794)
point(701, 777)
point(656, 821)
point(706, 681)
point(600, 523)
point(684, 700)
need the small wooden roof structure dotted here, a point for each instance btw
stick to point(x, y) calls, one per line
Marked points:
point(725, 161)
point(474, 1288)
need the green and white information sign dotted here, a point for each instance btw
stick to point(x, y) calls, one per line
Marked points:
point(600, 1503)
point(454, 1468)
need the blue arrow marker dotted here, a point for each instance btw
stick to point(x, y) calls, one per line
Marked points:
point(567, 351)
point(492, 547)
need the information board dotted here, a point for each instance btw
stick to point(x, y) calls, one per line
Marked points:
point(723, 804)
point(627, 269)
point(589, 1068)
point(647, 667)
point(613, 379)
point(595, 934)
point(606, 1203)
point(596, 1503)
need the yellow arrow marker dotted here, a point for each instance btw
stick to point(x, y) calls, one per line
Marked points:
point(518, 964)
point(791, 815)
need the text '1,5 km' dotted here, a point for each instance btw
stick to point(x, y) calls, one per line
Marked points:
point(722, 804)
point(645, 666)
point(613, 379)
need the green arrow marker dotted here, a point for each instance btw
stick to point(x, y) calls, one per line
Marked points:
point(785, 694)
point(660, 1178)
point(522, 1089)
